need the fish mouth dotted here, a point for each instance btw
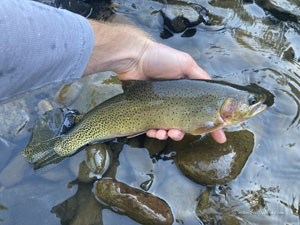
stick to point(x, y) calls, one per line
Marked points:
point(258, 109)
point(260, 106)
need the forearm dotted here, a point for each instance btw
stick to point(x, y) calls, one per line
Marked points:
point(117, 47)
point(40, 45)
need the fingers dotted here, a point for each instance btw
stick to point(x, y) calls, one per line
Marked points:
point(159, 134)
point(192, 70)
point(175, 134)
point(178, 135)
point(219, 136)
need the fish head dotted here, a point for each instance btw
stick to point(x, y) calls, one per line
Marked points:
point(241, 107)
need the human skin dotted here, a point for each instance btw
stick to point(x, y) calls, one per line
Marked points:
point(133, 55)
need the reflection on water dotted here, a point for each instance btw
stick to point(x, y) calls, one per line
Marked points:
point(242, 42)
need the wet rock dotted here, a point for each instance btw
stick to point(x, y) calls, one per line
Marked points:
point(210, 163)
point(178, 17)
point(13, 118)
point(189, 33)
point(98, 158)
point(283, 10)
point(141, 206)
point(289, 54)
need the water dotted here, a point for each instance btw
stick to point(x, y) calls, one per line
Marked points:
point(245, 42)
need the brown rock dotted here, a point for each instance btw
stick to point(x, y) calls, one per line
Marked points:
point(141, 206)
point(210, 163)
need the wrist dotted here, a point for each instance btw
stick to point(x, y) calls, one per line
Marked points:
point(117, 48)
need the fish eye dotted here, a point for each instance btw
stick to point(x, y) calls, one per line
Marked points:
point(252, 100)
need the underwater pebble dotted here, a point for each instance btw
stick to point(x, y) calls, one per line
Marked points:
point(44, 106)
point(210, 163)
point(141, 206)
point(13, 118)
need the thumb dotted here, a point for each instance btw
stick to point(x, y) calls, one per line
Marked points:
point(192, 70)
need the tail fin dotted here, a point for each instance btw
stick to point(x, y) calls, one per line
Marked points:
point(43, 154)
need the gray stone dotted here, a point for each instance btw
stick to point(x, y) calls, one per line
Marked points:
point(13, 117)
point(178, 17)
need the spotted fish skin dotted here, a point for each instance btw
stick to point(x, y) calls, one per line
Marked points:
point(187, 105)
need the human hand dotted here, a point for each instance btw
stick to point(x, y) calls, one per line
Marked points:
point(159, 61)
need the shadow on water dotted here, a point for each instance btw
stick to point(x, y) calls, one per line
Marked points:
point(251, 43)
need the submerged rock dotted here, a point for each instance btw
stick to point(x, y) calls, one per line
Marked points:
point(178, 17)
point(13, 118)
point(44, 106)
point(141, 206)
point(283, 10)
point(210, 163)
point(99, 159)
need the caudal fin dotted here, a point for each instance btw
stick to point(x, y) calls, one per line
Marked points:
point(43, 154)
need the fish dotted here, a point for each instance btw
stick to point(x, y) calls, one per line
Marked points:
point(192, 106)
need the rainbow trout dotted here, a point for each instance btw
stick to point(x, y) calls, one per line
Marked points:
point(193, 106)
